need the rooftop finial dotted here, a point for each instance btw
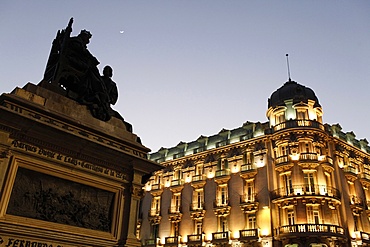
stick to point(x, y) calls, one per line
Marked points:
point(287, 62)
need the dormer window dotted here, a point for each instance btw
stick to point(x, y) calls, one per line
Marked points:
point(302, 114)
point(280, 118)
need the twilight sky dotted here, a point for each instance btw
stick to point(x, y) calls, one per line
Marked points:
point(191, 68)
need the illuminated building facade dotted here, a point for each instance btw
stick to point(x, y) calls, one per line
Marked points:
point(291, 181)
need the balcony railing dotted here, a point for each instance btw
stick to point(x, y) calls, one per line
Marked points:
point(220, 237)
point(298, 123)
point(304, 190)
point(197, 206)
point(327, 159)
point(248, 168)
point(365, 176)
point(365, 237)
point(177, 182)
point(250, 198)
point(174, 209)
point(350, 169)
point(156, 186)
point(317, 229)
point(281, 160)
point(195, 239)
point(221, 203)
point(171, 241)
point(247, 235)
point(154, 212)
point(197, 178)
point(221, 173)
point(150, 242)
point(308, 157)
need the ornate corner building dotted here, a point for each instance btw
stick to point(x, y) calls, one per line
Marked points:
point(292, 181)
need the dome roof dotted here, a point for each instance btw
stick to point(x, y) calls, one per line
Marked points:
point(292, 90)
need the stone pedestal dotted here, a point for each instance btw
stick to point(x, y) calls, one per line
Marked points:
point(67, 178)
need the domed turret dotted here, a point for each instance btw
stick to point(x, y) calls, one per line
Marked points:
point(293, 101)
point(291, 90)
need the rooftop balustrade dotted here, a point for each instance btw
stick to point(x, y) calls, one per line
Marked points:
point(298, 123)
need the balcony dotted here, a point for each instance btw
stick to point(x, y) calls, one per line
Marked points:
point(248, 170)
point(154, 212)
point(326, 160)
point(302, 230)
point(248, 235)
point(222, 176)
point(365, 179)
point(221, 207)
point(308, 160)
point(350, 172)
point(298, 124)
point(365, 237)
point(150, 242)
point(249, 203)
point(305, 190)
point(195, 240)
point(282, 160)
point(174, 214)
point(156, 186)
point(357, 205)
point(197, 211)
point(172, 241)
point(220, 237)
point(177, 182)
point(198, 181)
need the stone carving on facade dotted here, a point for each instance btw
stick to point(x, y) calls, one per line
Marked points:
point(44, 197)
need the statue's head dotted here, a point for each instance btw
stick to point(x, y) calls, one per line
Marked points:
point(85, 36)
point(108, 71)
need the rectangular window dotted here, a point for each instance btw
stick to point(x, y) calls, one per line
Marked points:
point(251, 221)
point(199, 170)
point(302, 114)
point(154, 232)
point(280, 118)
point(290, 216)
point(222, 197)
point(198, 227)
point(156, 203)
point(287, 183)
point(223, 225)
point(309, 181)
point(313, 215)
point(284, 150)
point(176, 203)
point(249, 191)
point(198, 199)
point(177, 175)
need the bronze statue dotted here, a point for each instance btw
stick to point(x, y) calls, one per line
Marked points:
point(72, 67)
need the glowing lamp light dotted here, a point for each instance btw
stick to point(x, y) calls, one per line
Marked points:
point(209, 237)
point(260, 163)
point(167, 183)
point(236, 234)
point(235, 169)
point(264, 232)
point(188, 179)
point(294, 156)
point(210, 173)
point(298, 191)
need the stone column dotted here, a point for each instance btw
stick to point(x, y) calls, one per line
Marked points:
point(136, 195)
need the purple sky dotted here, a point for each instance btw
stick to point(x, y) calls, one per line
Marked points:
point(191, 68)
